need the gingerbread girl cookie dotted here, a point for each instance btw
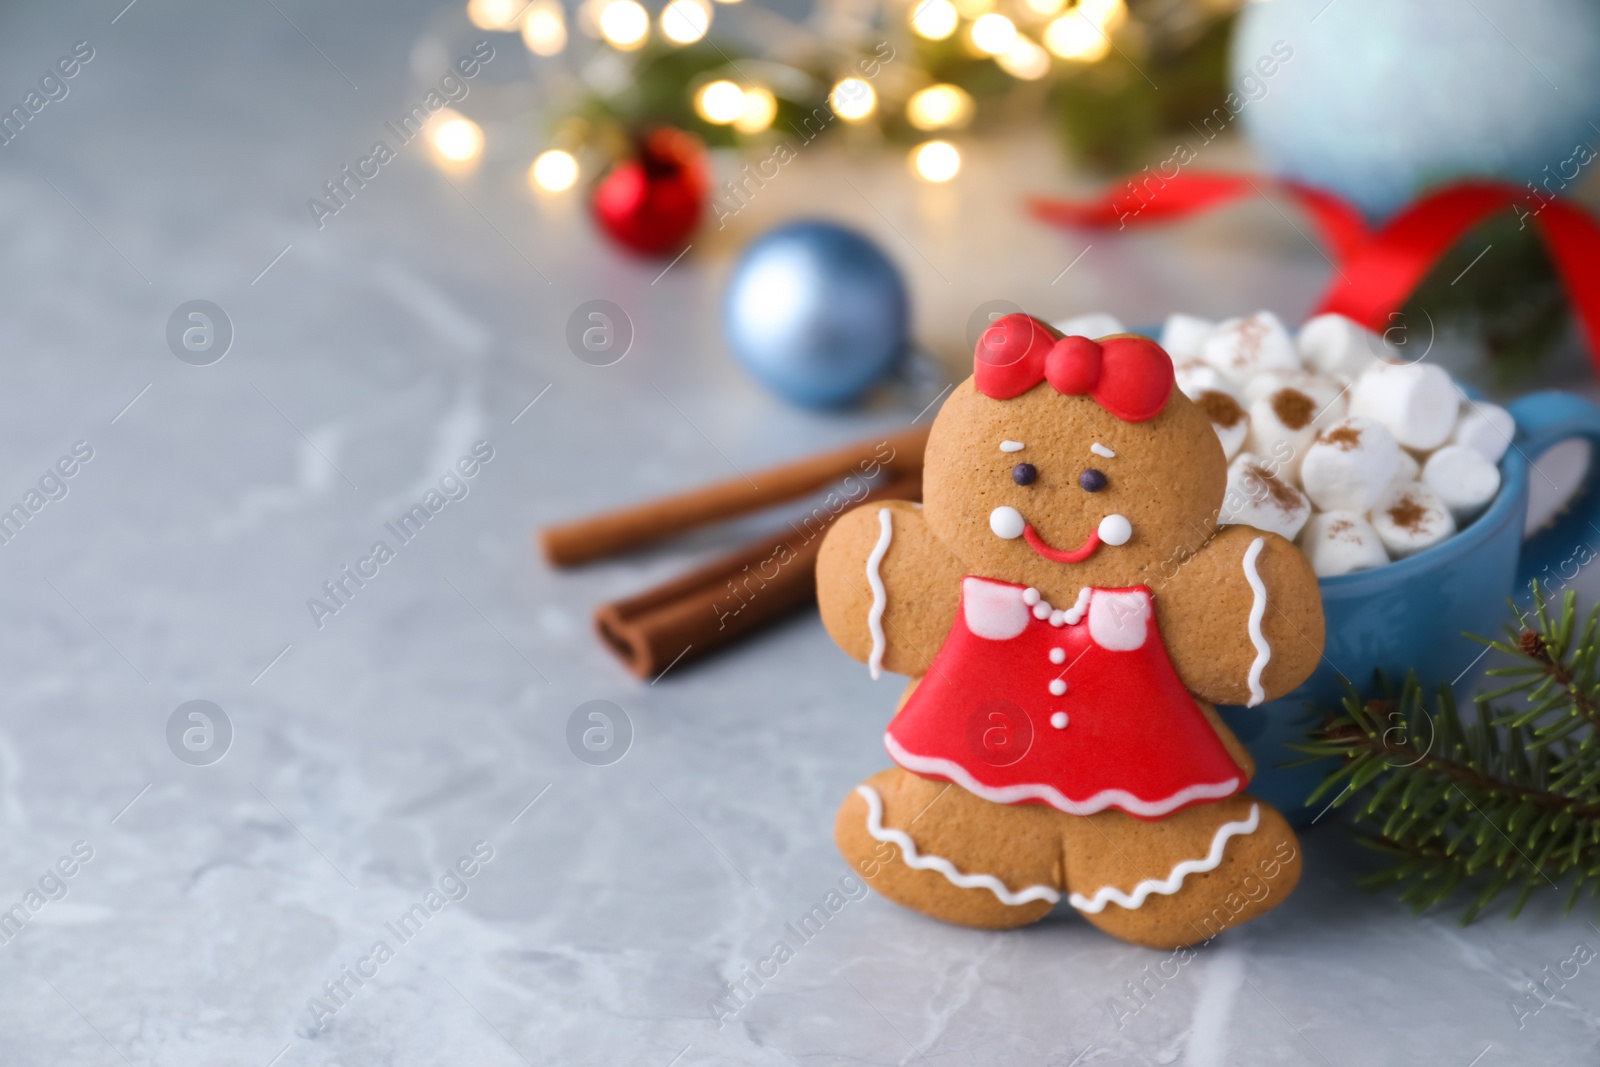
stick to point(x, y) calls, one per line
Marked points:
point(1069, 609)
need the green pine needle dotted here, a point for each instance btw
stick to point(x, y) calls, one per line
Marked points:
point(1502, 799)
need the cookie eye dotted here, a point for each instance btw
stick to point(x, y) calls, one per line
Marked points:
point(1092, 480)
point(1024, 473)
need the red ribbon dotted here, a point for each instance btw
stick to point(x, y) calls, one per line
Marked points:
point(1376, 269)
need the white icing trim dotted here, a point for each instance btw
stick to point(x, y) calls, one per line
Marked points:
point(1016, 794)
point(1170, 884)
point(880, 595)
point(918, 861)
point(1101, 450)
point(992, 610)
point(1119, 622)
point(1074, 613)
point(1011, 446)
point(1258, 611)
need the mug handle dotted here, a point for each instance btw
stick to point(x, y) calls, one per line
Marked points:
point(1543, 420)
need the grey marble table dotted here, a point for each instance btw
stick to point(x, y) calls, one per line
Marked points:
point(218, 912)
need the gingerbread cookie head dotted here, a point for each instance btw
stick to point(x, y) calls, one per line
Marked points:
point(1065, 462)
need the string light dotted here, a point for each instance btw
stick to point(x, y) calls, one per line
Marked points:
point(685, 21)
point(1074, 37)
point(493, 14)
point(934, 19)
point(624, 24)
point(852, 99)
point(935, 161)
point(994, 34)
point(1025, 60)
point(939, 107)
point(554, 171)
point(719, 102)
point(454, 138)
point(760, 108)
point(544, 28)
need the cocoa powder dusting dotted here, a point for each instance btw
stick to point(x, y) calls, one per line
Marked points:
point(1293, 408)
point(1347, 438)
point(1283, 495)
point(1220, 408)
point(1408, 514)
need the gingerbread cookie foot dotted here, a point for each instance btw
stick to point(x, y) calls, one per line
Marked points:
point(1185, 879)
point(935, 848)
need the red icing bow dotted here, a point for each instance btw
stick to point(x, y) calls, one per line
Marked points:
point(1131, 377)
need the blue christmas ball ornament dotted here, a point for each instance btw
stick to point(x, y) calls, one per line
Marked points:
point(817, 313)
point(1379, 100)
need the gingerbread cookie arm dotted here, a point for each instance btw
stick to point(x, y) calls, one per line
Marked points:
point(1242, 618)
point(888, 588)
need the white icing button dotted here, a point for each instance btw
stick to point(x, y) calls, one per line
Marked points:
point(1114, 529)
point(1006, 522)
point(1058, 655)
point(1058, 618)
point(1041, 611)
point(1059, 720)
point(1101, 450)
point(1057, 687)
point(1030, 596)
point(1011, 446)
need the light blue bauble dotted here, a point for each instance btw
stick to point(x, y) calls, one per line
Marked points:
point(817, 313)
point(1381, 99)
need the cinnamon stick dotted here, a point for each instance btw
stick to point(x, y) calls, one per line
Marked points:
point(691, 615)
point(626, 529)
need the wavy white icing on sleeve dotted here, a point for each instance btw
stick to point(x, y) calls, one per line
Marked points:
point(1258, 611)
point(880, 595)
point(921, 861)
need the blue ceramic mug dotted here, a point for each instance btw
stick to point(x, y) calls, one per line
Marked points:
point(1412, 614)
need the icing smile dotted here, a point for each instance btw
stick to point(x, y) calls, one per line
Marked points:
point(1008, 523)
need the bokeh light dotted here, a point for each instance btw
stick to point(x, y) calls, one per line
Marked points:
point(935, 161)
point(685, 21)
point(1074, 37)
point(554, 171)
point(719, 102)
point(494, 14)
point(760, 108)
point(852, 99)
point(934, 19)
point(454, 138)
point(994, 34)
point(1025, 60)
point(939, 107)
point(624, 23)
point(544, 28)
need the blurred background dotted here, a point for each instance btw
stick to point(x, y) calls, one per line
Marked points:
point(276, 273)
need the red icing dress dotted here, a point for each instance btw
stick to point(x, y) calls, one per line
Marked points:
point(1079, 708)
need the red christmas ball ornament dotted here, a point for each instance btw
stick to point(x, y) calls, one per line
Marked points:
point(651, 203)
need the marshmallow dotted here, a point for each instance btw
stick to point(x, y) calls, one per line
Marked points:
point(1242, 348)
point(1182, 336)
point(1462, 479)
point(1320, 387)
point(1485, 428)
point(1194, 377)
point(1411, 518)
point(1334, 344)
point(1338, 542)
point(1349, 465)
point(1408, 471)
point(1280, 427)
point(1227, 417)
point(1095, 324)
point(1258, 496)
point(1417, 402)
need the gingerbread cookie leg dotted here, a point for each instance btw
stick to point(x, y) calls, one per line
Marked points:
point(1184, 879)
point(938, 849)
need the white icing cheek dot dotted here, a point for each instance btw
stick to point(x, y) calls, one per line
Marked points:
point(1007, 522)
point(1059, 720)
point(1011, 446)
point(1114, 529)
point(1057, 687)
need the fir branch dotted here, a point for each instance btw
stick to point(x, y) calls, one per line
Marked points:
point(1503, 797)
